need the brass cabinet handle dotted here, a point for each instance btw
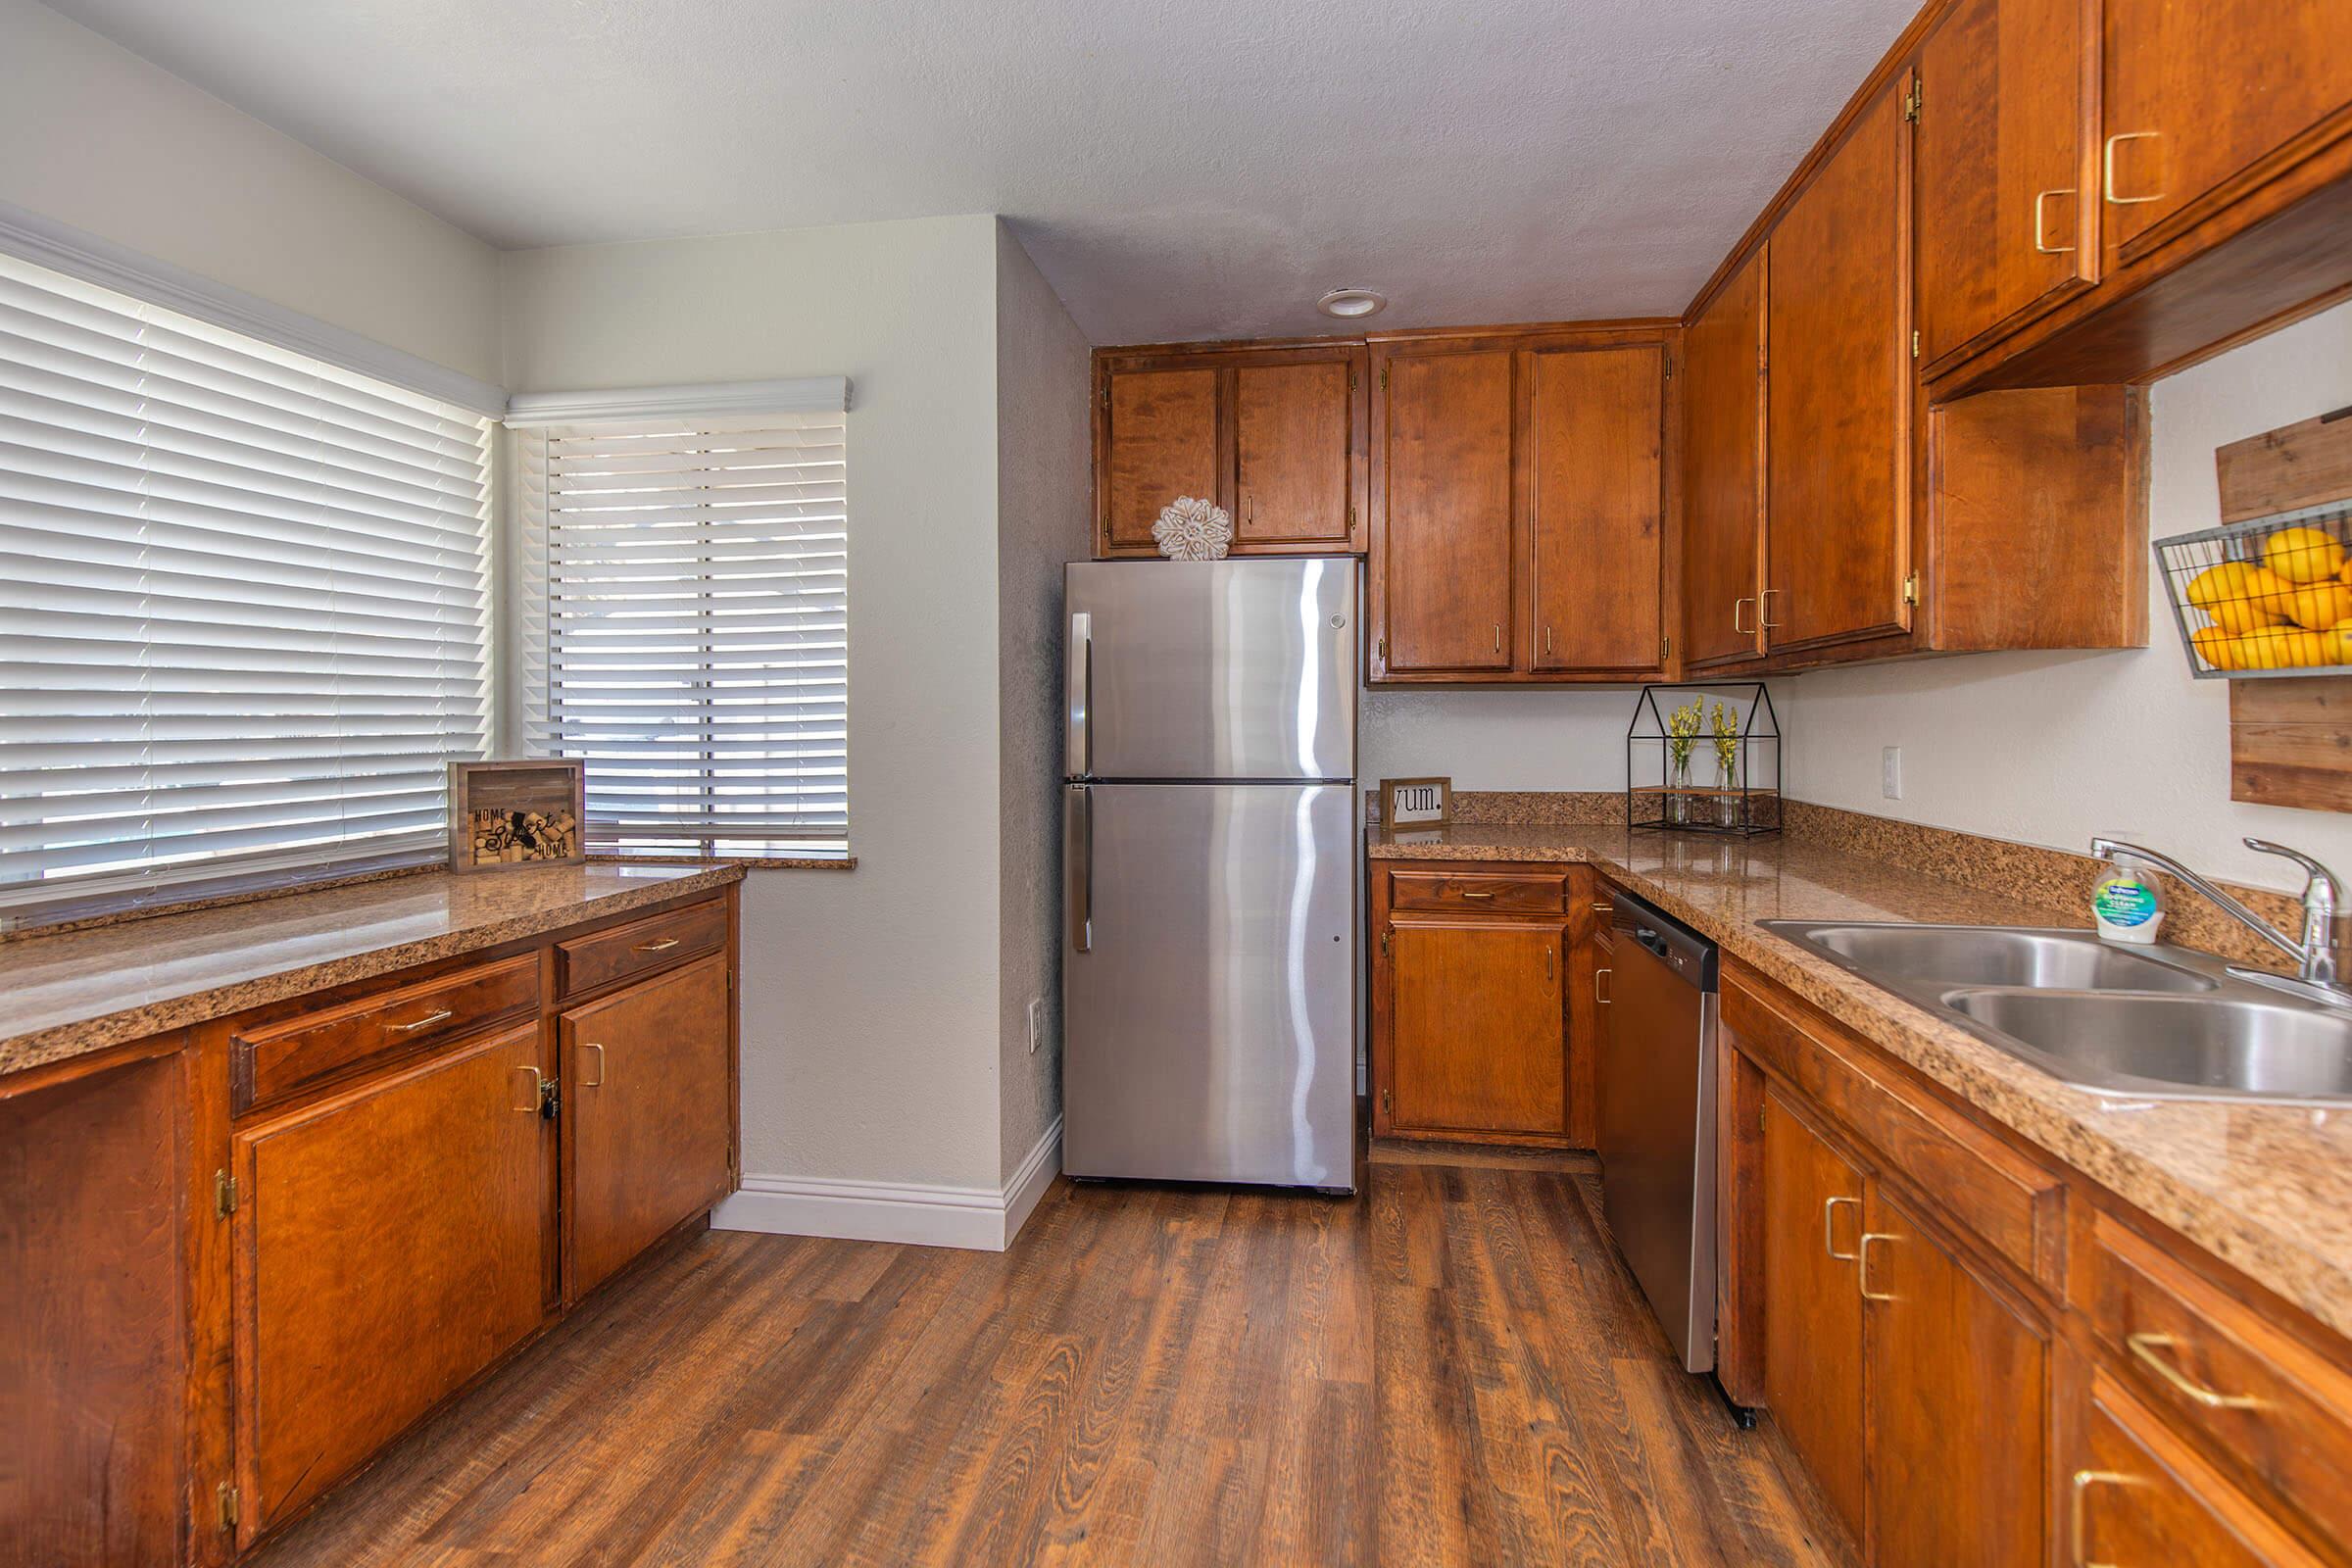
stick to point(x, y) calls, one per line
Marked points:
point(1467, 894)
point(2040, 228)
point(1764, 607)
point(1604, 910)
point(1862, 1270)
point(426, 1022)
point(2146, 1347)
point(2107, 166)
point(597, 1082)
point(1828, 1229)
point(2082, 1483)
point(1599, 994)
point(662, 946)
point(1551, 959)
point(1498, 636)
point(538, 1091)
point(1744, 631)
point(1547, 642)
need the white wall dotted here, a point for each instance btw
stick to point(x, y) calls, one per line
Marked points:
point(2054, 747)
point(93, 137)
point(870, 1016)
point(1044, 453)
point(1498, 739)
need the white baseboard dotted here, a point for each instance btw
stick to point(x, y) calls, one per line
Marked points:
point(982, 1218)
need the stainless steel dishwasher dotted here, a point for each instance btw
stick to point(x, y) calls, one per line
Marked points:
point(1657, 1120)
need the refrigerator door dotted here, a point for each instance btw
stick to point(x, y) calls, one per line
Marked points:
point(1212, 669)
point(1208, 961)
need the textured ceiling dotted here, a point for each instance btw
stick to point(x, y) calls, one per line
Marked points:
point(1179, 169)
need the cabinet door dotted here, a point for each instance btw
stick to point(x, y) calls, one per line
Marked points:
point(1723, 472)
point(1160, 443)
point(1295, 447)
point(1442, 547)
point(1479, 1035)
point(1999, 145)
point(1958, 1384)
point(2138, 1495)
point(1812, 1306)
point(1839, 431)
point(2196, 91)
point(1595, 445)
point(389, 1246)
point(648, 1077)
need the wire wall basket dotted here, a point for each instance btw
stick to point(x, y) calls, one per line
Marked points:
point(2267, 597)
point(1710, 764)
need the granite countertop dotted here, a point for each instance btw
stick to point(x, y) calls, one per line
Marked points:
point(2266, 1188)
point(77, 992)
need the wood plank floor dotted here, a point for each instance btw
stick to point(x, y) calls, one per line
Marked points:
point(1456, 1370)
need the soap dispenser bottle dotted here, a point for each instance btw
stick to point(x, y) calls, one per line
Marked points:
point(2128, 902)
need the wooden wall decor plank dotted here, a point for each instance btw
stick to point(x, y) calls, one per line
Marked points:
point(2291, 739)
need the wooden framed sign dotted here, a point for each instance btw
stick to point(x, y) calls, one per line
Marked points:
point(1416, 802)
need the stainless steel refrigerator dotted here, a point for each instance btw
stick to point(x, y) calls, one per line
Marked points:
point(1210, 837)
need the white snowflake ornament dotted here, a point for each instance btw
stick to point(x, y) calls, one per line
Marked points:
point(1194, 529)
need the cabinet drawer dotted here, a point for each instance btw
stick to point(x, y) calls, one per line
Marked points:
point(1471, 892)
point(274, 1061)
point(2216, 1369)
point(639, 947)
point(1995, 1195)
point(2138, 1495)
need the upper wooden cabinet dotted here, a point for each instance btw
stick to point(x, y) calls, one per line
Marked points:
point(1519, 504)
point(1839, 426)
point(2195, 95)
point(1443, 550)
point(1723, 472)
point(1273, 435)
point(2002, 226)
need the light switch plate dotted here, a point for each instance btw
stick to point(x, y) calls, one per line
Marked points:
point(1890, 772)
point(1037, 1023)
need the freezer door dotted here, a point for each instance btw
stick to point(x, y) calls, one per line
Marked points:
point(1209, 962)
point(1212, 669)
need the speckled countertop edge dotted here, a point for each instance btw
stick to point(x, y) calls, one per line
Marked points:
point(2267, 1188)
point(105, 964)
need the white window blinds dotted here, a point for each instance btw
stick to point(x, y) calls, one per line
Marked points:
point(684, 612)
point(243, 608)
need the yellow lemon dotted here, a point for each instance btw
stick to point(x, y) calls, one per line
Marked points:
point(2246, 587)
point(2321, 604)
point(2283, 648)
point(2217, 647)
point(2302, 554)
point(2339, 643)
point(2216, 584)
point(2238, 617)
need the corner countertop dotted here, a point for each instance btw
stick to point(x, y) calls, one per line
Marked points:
point(2268, 1189)
point(79, 992)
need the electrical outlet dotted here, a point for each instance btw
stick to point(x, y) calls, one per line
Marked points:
point(1890, 772)
point(1037, 1023)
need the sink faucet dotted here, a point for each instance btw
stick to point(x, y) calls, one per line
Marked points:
point(2320, 958)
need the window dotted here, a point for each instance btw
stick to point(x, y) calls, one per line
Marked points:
point(243, 600)
point(685, 625)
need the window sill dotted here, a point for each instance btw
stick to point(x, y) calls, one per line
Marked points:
point(754, 863)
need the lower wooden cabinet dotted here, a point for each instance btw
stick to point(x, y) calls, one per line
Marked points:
point(388, 1247)
point(648, 1075)
point(1811, 1231)
point(1475, 1002)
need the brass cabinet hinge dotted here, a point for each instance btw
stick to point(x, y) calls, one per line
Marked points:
point(227, 1499)
point(1665, 649)
point(1911, 589)
point(225, 1194)
point(1351, 378)
point(1388, 1102)
point(1351, 515)
point(1384, 944)
point(1384, 378)
point(1914, 101)
point(1380, 647)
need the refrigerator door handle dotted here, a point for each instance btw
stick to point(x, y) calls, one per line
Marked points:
point(1079, 739)
point(1078, 850)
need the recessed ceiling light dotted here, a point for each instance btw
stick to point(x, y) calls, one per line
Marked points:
point(1352, 303)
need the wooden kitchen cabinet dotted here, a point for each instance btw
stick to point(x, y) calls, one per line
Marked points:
point(1839, 426)
point(648, 1077)
point(1723, 472)
point(2002, 226)
point(1472, 1017)
point(1520, 500)
point(1597, 566)
point(2199, 99)
point(1810, 1228)
point(1274, 434)
point(1957, 1395)
point(389, 1245)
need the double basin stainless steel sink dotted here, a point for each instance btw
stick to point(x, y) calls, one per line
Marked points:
point(2159, 1022)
